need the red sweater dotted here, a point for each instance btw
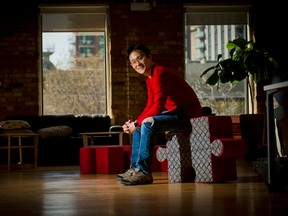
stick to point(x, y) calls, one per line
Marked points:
point(167, 90)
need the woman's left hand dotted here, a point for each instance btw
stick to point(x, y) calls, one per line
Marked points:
point(129, 127)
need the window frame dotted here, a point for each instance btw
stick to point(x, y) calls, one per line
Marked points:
point(238, 13)
point(77, 9)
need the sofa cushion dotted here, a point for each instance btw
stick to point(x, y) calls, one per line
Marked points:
point(91, 123)
point(16, 131)
point(55, 131)
point(55, 120)
point(79, 123)
point(14, 124)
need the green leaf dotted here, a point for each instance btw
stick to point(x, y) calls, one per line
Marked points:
point(246, 58)
point(213, 79)
point(226, 76)
point(207, 70)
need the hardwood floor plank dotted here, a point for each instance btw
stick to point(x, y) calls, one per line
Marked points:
point(64, 191)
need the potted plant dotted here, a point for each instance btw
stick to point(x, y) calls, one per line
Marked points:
point(256, 65)
point(247, 61)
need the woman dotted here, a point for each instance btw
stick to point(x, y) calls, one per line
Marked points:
point(171, 103)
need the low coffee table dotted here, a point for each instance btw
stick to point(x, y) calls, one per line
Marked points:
point(91, 134)
point(21, 136)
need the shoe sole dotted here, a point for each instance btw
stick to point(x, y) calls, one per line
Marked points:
point(119, 178)
point(129, 183)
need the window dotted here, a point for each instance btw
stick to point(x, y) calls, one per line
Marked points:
point(207, 31)
point(74, 60)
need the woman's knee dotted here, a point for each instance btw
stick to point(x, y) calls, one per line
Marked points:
point(149, 119)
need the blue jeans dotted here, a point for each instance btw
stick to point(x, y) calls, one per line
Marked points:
point(143, 139)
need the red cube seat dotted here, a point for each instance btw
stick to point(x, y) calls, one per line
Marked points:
point(109, 159)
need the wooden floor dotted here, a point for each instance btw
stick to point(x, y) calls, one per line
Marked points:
point(64, 191)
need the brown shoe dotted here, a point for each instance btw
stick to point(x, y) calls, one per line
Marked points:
point(137, 178)
point(128, 173)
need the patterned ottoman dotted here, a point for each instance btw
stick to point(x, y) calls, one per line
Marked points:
point(205, 153)
point(156, 165)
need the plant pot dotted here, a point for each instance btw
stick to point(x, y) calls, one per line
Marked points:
point(253, 132)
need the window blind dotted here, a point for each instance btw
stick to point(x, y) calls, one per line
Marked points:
point(80, 19)
point(217, 15)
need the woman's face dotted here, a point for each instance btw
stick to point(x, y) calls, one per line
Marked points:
point(141, 63)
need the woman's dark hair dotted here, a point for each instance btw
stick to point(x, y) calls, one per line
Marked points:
point(139, 47)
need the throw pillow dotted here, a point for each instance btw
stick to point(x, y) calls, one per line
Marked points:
point(14, 124)
point(55, 131)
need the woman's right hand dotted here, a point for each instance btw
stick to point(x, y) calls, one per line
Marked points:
point(126, 127)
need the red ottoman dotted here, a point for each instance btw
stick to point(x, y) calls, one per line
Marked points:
point(87, 160)
point(109, 159)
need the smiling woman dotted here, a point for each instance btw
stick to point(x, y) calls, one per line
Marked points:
point(139, 59)
point(171, 103)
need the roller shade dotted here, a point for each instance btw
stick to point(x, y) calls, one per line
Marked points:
point(74, 19)
point(217, 15)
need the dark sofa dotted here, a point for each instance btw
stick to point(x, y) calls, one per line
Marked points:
point(62, 150)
